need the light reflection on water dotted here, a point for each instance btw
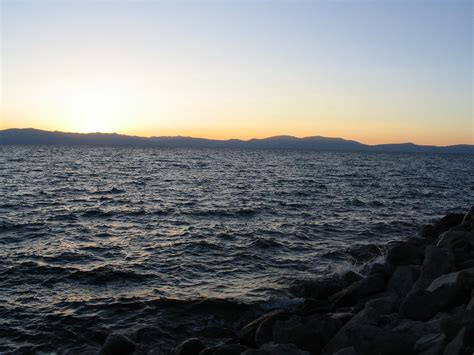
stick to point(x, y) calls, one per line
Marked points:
point(99, 235)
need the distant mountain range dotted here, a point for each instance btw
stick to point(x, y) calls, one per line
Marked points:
point(315, 143)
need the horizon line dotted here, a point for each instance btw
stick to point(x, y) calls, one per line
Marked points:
point(236, 139)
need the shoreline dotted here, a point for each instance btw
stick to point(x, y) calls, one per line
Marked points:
point(418, 300)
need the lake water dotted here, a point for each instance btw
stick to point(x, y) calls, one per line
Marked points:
point(94, 239)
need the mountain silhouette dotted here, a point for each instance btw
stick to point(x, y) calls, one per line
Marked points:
point(314, 143)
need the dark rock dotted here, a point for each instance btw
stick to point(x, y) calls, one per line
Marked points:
point(367, 316)
point(462, 344)
point(344, 317)
point(432, 344)
point(460, 244)
point(452, 324)
point(311, 306)
point(470, 305)
point(217, 333)
point(372, 340)
point(451, 220)
point(118, 344)
point(247, 334)
point(412, 331)
point(403, 280)
point(277, 349)
point(378, 268)
point(368, 286)
point(264, 333)
point(192, 346)
point(469, 217)
point(350, 277)
point(319, 289)
point(436, 263)
point(404, 254)
point(444, 293)
point(383, 305)
point(309, 333)
point(447, 222)
point(230, 349)
point(346, 351)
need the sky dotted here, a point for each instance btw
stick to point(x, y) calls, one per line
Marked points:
point(378, 71)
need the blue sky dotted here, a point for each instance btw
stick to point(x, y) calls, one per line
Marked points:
point(375, 71)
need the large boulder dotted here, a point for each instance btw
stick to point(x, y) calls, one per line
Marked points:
point(437, 262)
point(349, 296)
point(403, 254)
point(445, 292)
point(367, 316)
point(276, 349)
point(469, 217)
point(213, 332)
point(372, 340)
point(460, 243)
point(403, 280)
point(430, 344)
point(412, 330)
point(118, 344)
point(452, 324)
point(246, 335)
point(323, 288)
point(230, 349)
point(449, 221)
point(192, 346)
point(309, 333)
point(463, 343)
point(384, 305)
point(310, 306)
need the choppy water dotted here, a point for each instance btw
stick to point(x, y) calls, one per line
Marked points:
point(94, 239)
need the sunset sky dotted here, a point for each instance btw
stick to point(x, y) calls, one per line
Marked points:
point(376, 71)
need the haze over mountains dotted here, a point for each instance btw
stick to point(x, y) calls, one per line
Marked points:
point(315, 143)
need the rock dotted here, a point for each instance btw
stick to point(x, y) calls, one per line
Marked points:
point(372, 340)
point(247, 334)
point(383, 305)
point(432, 344)
point(277, 349)
point(368, 286)
point(309, 333)
point(346, 351)
point(436, 263)
point(463, 279)
point(192, 346)
point(462, 344)
point(451, 220)
point(412, 331)
point(310, 306)
point(217, 333)
point(452, 324)
point(470, 305)
point(350, 277)
point(404, 254)
point(445, 292)
point(367, 316)
point(117, 344)
point(264, 332)
point(403, 280)
point(447, 222)
point(378, 268)
point(469, 217)
point(230, 349)
point(319, 289)
point(460, 243)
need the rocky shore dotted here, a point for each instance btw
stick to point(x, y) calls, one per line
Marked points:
point(416, 298)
